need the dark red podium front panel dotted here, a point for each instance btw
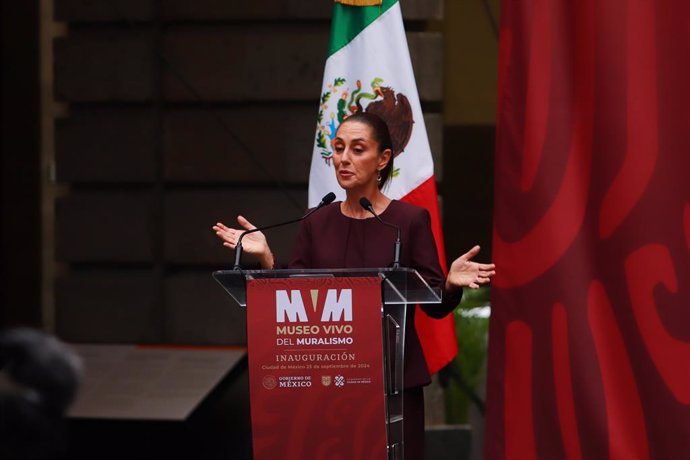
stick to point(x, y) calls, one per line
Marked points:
point(316, 368)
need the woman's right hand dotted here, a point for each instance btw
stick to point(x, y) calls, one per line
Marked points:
point(253, 243)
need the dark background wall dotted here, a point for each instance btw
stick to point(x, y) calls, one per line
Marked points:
point(140, 123)
point(177, 114)
point(470, 38)
point(181, 114)
point(20, 231)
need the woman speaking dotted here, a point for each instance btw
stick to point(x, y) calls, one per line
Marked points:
point(345, 235)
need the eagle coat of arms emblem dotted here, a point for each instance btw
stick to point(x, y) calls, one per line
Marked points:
point(338, 102)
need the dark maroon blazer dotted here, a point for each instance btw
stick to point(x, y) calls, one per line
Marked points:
point(329, 239)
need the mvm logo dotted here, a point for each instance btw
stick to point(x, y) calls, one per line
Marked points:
point(290, 305)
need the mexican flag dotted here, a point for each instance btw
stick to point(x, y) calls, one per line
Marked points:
point(368, 68)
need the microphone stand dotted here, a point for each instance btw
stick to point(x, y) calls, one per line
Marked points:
point(238, 248)
point(366, 204)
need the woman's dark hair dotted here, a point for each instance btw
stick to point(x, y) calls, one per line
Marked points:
point(380, 132)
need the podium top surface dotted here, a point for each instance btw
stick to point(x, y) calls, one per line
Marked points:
point(399, 285)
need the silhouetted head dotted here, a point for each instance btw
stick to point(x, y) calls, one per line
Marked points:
point(41, 368)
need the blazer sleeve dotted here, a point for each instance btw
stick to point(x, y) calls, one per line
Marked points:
point(425, 259)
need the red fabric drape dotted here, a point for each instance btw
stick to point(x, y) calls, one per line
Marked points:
point(589, 353)
point(437, 336)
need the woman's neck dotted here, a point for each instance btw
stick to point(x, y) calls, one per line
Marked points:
point(351, 207)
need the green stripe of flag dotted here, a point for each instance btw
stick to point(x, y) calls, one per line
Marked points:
point(348, 21)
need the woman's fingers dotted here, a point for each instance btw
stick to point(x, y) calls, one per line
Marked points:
point(222, 231)
point(254, 243)
point(227, 232)
point(244, 223)
point(228, 235)
point(471, 253)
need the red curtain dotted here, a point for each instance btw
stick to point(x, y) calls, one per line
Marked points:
point(589, 353)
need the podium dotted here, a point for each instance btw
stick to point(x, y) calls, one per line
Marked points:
point(327, 381)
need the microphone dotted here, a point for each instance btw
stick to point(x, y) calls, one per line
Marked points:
point(366, 204)
point(327, 199)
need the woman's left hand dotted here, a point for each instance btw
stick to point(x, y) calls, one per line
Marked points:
point(466, 273)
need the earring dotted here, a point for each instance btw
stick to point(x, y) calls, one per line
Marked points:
point(378, 177)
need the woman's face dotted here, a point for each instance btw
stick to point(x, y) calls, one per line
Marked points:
point(356, 156)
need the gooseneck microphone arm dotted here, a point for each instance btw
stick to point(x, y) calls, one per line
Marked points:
point(238, 248)
point(366, 204)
